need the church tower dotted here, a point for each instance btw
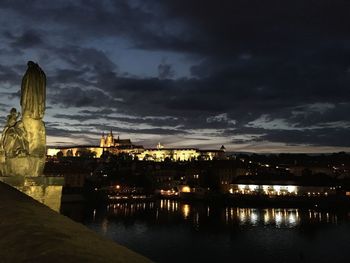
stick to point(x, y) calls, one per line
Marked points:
point(110, 140)
point(103, 140)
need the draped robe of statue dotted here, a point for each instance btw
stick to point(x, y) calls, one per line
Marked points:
point(33, 92)
point(33, 96)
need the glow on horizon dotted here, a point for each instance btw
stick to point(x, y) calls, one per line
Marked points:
point(151, 141)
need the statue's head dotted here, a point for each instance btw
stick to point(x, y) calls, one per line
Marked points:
point(31, 64)
point(13, 111)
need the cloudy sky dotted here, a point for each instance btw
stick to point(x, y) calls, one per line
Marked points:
point(259, 76)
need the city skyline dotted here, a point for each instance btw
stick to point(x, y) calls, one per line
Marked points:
point(253, 76)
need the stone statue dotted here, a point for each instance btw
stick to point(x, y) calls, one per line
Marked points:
point(23, 142)
point(14, 136)
point(33, 92)
point(11, 121)
point(12, 117)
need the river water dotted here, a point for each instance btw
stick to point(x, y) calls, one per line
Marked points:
point(173, 231)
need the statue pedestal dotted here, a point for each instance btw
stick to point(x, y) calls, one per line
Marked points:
point(46, 190)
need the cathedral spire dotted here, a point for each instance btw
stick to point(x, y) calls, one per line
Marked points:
point(103, 140)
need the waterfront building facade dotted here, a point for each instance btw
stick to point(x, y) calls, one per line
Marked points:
point(293, 186)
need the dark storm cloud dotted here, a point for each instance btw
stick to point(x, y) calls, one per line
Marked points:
point(193, 109)
point(157, 131)
point(92, 128)
point(68, 76)
point(306, 116)
point(90, 58)
point(165, 70)
point(88, 19)
point(325, 137)
point(260, 26)
point(222, 93)
point(283, 63)
point(8, 74)
point(55, 131)
point(27, 39)
point(199, 26)
point(75, 136)
point(88, 115)
point(77, 97)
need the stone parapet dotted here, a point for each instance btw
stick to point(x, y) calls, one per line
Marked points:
point(31, 232)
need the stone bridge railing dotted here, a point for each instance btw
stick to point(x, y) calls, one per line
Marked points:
point(31, 232)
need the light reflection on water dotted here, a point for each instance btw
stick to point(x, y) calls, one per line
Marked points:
point(268, 216)
point(277, 217)
point(166, 230)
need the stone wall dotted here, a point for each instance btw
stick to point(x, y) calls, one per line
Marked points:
point(31, 232)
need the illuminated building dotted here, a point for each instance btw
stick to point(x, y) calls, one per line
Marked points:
point(124, 146)
point(107, 144)
point(75, 151)
point(281, 186)
point(161, 154)
point(109, 141)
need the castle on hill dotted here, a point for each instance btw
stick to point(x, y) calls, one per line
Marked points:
point(118, 146)
point(109, 141)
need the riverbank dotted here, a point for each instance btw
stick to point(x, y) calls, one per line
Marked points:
point(31, 232)
point(330, 202)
